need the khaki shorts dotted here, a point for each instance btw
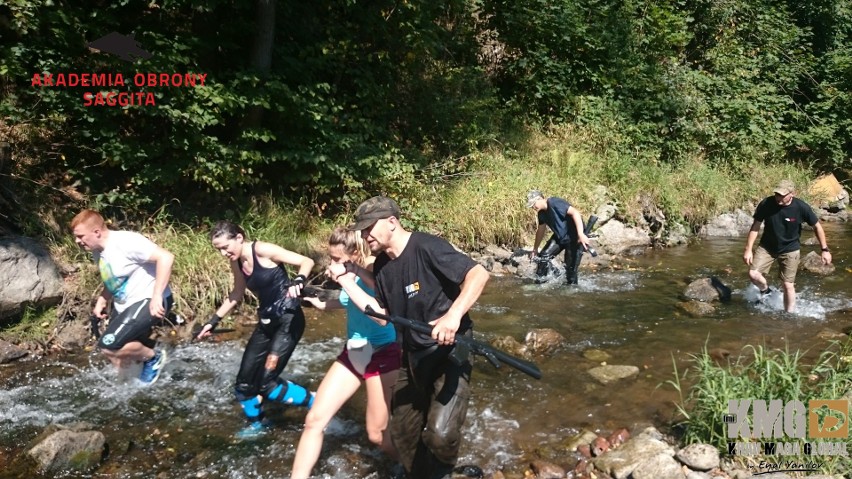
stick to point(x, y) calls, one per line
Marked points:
point(789, 263)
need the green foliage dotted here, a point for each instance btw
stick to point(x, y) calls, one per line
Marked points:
point(753, 79)
point(759, 373)
point(358, 98)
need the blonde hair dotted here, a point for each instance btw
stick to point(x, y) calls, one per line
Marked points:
point(352, 242)
point(90, 217)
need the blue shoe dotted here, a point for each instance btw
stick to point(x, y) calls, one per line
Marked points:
point(152, 368)
point(252, 431)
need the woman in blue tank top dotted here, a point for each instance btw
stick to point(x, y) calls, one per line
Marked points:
point(261, 267)
point(371, 356)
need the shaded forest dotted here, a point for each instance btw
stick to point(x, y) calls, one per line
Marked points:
point(327, 102)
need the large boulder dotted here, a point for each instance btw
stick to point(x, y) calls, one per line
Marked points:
point(28, 276)
point(728, 225)
point(828, 193)
point(71, 447)
point(617, 238)
point(813, 262)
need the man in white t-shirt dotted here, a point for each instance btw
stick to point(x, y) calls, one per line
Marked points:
point(135, 272)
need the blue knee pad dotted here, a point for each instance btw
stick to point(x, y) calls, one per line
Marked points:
point(291, 393)
point(252, 409)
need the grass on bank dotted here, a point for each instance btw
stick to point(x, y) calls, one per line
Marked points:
point(766, 374)
point(35, 324)
point(486, 204)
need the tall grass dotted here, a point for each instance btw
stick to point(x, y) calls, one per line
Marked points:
point(487, 203)
point(760, 373)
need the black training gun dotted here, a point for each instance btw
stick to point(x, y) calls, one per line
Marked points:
point(494, 356)
point(197, 329)
point(587, 230)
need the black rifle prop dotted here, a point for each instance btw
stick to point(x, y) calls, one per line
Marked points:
point(197, 329)
point(494, 356)
point(587, 230)
point(95, 326)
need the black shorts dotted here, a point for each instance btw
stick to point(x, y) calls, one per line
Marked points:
point(132, 324)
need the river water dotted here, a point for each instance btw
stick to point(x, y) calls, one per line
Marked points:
point(183, 425)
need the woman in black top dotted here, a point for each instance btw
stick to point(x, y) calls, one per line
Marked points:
point(261, 267)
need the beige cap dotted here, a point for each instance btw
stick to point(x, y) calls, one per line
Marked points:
point(785, 187)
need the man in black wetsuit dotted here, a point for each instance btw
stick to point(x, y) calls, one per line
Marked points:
point(566, 222)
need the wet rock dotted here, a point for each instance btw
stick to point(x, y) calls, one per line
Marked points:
point(67, 449)
point(524, 266)
point(9, 352)
point(581, 468)
point(596, 355)
point(696, 308)
point(707, 290)
point(599, 446)
point(675, 234)
point(720, 355)
point(543, 341)
point(510, 345)
point(620, 463)
point(583, 438)
point(28, 275)
point(468, 470)
point(701, 457)
point(498, 253)
point(841, 216)
point(618, 437)
point(830, 334)
point(496, 475)
point(661, 466)
point(610, 373)
point(813, 263)
point(547, 470)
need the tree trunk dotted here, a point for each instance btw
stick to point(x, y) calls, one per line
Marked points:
point(261, 52)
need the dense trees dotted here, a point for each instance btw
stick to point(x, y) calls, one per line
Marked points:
point(378, 95)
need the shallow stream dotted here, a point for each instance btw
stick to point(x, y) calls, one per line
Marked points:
point(183, 425)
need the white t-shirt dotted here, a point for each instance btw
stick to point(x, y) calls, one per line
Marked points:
point(125, 268)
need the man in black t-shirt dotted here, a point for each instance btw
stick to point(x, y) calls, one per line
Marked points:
point(566, 222)
point(783, 214)
point(423, 278)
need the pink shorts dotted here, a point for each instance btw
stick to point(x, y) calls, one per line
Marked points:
point(386, 358)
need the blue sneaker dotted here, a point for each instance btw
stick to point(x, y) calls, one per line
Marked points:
point(152, 368)
point(252, 431)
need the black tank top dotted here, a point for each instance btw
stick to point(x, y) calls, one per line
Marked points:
point(268, 284)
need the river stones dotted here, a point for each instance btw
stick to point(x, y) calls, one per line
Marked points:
point(610, 373)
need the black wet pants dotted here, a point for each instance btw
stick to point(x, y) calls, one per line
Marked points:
point(573, 256)
point(428, 409)
point(278, 336)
